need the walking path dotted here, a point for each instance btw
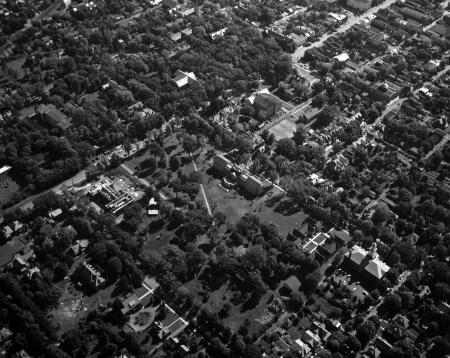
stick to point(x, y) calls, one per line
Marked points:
point(202, 189)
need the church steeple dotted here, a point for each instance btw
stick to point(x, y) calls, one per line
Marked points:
point(372, 254)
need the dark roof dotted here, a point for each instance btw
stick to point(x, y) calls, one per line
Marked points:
point(416, 15)
point(441, 30)
point(382, 344)
point(11, 248)
point(328, 248)
point(342, 235)
point(170, 3)
point(264, 100)
point(170, 318)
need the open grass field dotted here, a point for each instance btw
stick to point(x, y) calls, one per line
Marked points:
point(234, 205)
point(236, 316)
point(7, 191)
point(74, 305)
point(155, 244)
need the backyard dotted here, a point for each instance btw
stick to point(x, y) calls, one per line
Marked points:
point(74, 304)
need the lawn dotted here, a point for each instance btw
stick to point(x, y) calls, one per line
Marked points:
point(141, 320)
point(7, 191)
point(216, 300)
point(234, 205)
point(74, 304)
point(153, 243)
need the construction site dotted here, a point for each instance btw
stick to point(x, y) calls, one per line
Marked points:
point(113, 194)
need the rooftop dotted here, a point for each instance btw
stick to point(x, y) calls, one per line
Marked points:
point(183, 78)
point(373, 265)
point(11, 248)
point(5, 169)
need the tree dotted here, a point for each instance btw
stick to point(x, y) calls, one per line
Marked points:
point(60, 271)
point(65, 238)
point(218, 349)
point(318, 100)
point(372, 113)
point(392, 303)
point(247, 110)
point(195, 260)
point(267, 15)
point(189, 143)
point(380, 214)
point(166, 208)
point(243, 144)
point(365, 332)
point(123, 284)
point(55, 352)
point(114, 267)
point(300, 134)
point(296, 301)
point(255, 257)
point(440, 349)
point(353, 343)
point(333, 344)
point(220, 217)
point(325, 117)
point(286, 147)
point(311, 281)
point(175, 163)
point(109, 350)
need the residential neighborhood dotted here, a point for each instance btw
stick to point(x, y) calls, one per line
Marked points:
point(227, 179)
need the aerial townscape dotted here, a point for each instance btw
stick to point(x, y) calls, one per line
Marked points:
point(224, 178)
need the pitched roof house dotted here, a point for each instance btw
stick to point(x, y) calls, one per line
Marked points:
point(184, 78)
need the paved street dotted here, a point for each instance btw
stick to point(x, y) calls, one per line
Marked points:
point(401, 280)
point(26, 203)
point(352, 20)
point(374, 310)
point(438, 146)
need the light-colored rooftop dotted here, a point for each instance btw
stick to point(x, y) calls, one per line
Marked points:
point(4, 169)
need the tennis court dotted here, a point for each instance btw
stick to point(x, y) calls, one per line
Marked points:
point(284, 129)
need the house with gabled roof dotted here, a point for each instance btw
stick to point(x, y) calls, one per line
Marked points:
point(184, 78)
point(7, 232)
point(12, 229)
point(78, 248)
point(55, 214)
point(382, 345)
point(342, 237)
point(10, 249)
